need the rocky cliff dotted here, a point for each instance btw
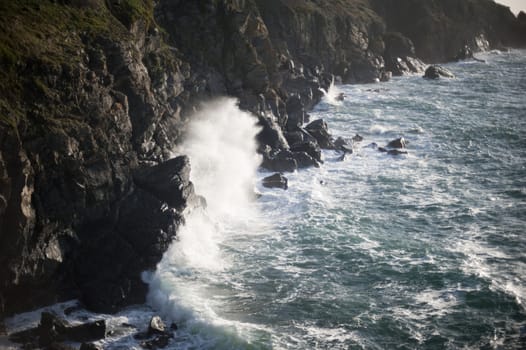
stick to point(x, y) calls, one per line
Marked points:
point(95, 94)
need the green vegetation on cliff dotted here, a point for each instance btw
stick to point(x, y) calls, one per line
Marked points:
point(52, 34)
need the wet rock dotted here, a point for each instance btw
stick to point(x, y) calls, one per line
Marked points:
point(156, 326)
point(436, 72)
point(320, 131)
point(90, 346)
point(296, 113)
point(271, 133)
point(339, 142)
point(395, 152)
point(276, 181)
point(283, 161)
point(398, 143)
point(52, 330)
point(342, 157)
point(357, 138)
point(168, 181)
point(159, 342)
point(310, 147)
point(464, 53)
point(305, 161)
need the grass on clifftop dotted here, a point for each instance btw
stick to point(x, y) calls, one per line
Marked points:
point(52, 32)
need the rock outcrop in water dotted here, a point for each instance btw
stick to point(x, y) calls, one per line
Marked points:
point(95, 94)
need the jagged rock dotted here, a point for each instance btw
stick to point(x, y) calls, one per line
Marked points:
point(304, 160)
point(435, 72)
point(275, 181)
point(168, 181)
point(283, 161)
point(320, 131)
point(309, 147)
point(271, 134)
point(464, 53)
point(296, 113)
point(398, 143)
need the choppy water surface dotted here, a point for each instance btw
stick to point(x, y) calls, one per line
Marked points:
point(418, 251)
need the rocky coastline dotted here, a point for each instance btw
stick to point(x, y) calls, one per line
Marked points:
point(96, 94)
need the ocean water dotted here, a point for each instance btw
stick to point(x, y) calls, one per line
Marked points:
point(419, 251)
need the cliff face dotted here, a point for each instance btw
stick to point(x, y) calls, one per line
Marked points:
point(96, 93)
point(440, 28)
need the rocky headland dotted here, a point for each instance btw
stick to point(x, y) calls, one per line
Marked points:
point(95, 95)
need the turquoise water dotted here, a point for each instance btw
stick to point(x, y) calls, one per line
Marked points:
point(419, 251)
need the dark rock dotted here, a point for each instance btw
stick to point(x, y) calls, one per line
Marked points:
point(52, 330)
point(464, 53)
point(90, 346)
point(435, 72)
point(381, 149)
point(283, 161)
point(168, 181)
point(357, 138)
point(398, 143)
point(294, 137)
point(305, 161)
point(296, 113)
point(271, 134)
point(319, 130)
point(159, 342)
point(86, 332)
point(346, 149)
point(339, 142)
point(395, 152)
point(373, 145)
point(311, 148)
point(342, 157)
point(340, 97)
point(276, 181)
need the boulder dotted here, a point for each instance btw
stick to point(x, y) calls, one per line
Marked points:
point(304, 160)
point(398, 143)
point(283, 161)
point(276, 181)
point(435, 72)
point(156, 326)
point(309, 147)
point(319, 130)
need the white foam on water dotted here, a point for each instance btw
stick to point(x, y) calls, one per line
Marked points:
point(221, 145)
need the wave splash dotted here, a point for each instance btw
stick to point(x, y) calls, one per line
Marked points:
point(221, 145)
point(333, 95)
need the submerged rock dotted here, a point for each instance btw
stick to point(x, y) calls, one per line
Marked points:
point(435, 72)
point(276, 181)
